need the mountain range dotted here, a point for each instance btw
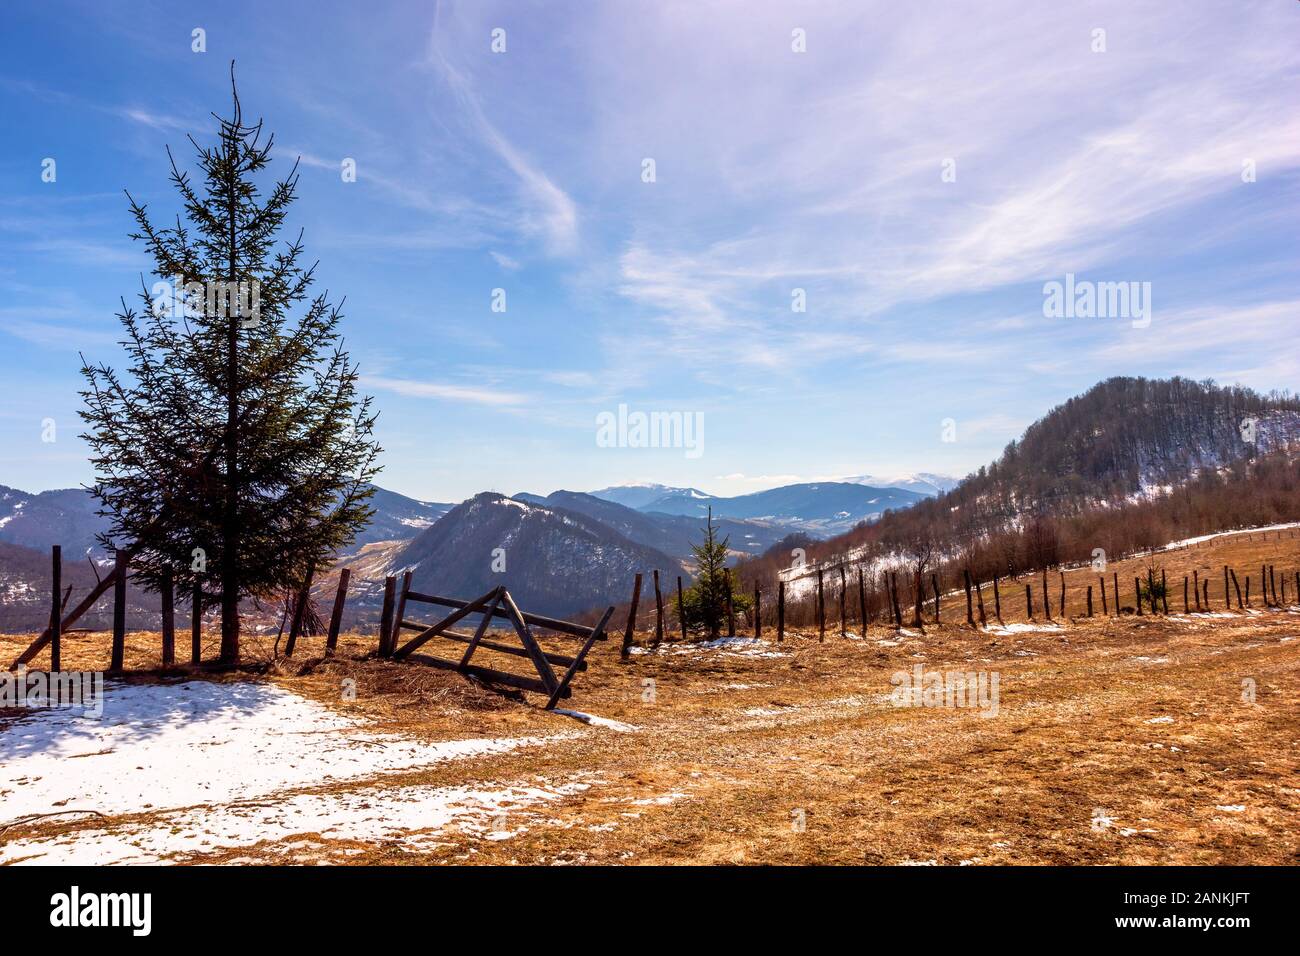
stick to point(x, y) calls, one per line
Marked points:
point(1124, 440)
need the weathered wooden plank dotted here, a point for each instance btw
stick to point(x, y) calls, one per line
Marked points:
point(336, 616)
point(630, 631)
point(196, 625)
point(433, 630)
point(400, 614)
point(535, 620)
point(168, 619)
point(461, 637)
point(474, 641)
point(488, 675)
point(299, 610)
point(530, 643)
point(56, 609)
point(562, 690)
point(386, 629)
point(119, 612)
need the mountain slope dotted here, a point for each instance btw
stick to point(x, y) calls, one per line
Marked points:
point(65, 517)
point(639, 495)
point(672, 534)
point(398, 517)
point(821, 508)
point(922, 482)
point(557, 562)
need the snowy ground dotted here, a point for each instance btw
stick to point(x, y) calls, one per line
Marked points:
point(196, 754)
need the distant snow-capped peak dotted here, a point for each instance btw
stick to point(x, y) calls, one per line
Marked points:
point(921, 482)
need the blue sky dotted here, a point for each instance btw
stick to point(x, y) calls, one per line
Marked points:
point(775, 170)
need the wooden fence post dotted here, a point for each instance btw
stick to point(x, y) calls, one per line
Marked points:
point(56, 610)
point(1273, 582)
point(1029, 601)
point(168, 619)
point(934, 583)
point(1062, 573)
point(1089, 600)
point(681, 608)
point(979, 600)
point(659, 610)
point(1248, 590)
point(997, 600)
point(336, 616)
point(1236, 586)
point(758, 612)
point(1114, 580)
point(1196, 586)
point(780, 612)
point(119, 612)
point(1047, 598)
point(1227, 594)
point(631, 617)
point(1105, 607)
point(893, 595)
point(821, 608)
point(920, 600)
point(844, 594)
point(399, 615)
point(731, 604)
point(386, 616)
point(196, 624)
point(970, 607)
point(862, 603)
point(1151, 591)
point(300, 609)
point(1137, 594)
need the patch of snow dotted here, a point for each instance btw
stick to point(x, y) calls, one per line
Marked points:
point(1230, 807)
point(178, 745)
point(1219, 534)
point(595, 721)
point(1161, 720)
point(413, 816)
point(1004, 629)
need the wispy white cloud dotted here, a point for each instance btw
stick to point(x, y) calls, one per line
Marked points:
point(549, 210)
point(472, 394)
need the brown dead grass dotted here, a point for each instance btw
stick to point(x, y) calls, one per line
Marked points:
point(734, 749)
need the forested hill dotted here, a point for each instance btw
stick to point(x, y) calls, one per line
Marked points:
point(1129, 464)
point(1131, 436)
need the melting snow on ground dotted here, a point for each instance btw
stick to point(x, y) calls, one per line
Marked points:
point(176, 745)
point(215, 748)
point(414, 816)
point(595, 721)
point(1022, 629)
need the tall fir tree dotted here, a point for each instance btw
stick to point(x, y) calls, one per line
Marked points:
point(709, 593)
point(235, 450)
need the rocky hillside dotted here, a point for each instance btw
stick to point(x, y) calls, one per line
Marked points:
point(554, 561)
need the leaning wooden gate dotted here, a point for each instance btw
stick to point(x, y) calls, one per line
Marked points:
point(498, 603)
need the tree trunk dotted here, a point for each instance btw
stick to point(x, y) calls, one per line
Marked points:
point(230, 516)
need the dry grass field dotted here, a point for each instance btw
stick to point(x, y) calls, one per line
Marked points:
point(1116, 740)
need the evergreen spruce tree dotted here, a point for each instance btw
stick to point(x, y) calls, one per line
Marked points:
point(707, 600)
point(235, 449)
